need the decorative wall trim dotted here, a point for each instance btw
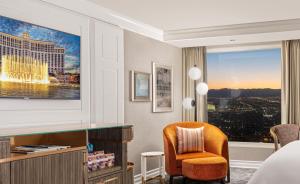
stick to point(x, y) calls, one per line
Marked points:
point(235, 34)
point(243, 47)
point(233, 163)
point(236, 39)
point(91, 9)
point(237, 29)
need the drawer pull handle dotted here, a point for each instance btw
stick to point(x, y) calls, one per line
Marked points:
point(111, 179)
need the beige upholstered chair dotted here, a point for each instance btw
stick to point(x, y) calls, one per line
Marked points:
point(284, 134)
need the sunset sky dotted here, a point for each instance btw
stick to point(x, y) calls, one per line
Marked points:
point(244, 69)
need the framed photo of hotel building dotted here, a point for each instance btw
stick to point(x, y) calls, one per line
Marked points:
point(38, 62)
point(162, 88)
point(141, 89)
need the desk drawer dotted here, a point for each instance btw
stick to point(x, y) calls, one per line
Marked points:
point(110, 179)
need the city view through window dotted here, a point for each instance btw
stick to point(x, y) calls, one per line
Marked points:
point(244, 97)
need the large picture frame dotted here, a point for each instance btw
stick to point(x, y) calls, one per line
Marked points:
point(162, 88)
point(38, 62)
point(141, 86)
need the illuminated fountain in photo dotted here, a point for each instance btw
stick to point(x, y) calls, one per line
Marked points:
point(24, 70)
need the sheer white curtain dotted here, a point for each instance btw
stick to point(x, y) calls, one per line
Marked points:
point(191, 57)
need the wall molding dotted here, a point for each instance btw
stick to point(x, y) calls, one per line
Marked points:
point(94, 10)
point(245, 164)
point(235, 29)
point(244, 47)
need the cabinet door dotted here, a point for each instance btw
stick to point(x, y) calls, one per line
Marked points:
point(107, 73)
point(111, 179)
point(5, 173)
point(65, 168)
point(4, 167)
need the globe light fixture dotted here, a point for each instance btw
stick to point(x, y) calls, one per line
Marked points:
point(202, 88)
point(188, 103)
point(195, 73)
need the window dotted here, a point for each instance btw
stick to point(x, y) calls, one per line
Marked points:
point(244, 99)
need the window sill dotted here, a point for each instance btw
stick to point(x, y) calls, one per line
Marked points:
point(251, 145)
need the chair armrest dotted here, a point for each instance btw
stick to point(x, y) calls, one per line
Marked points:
point(276, 142)
point(170, 156)
point(217, 142)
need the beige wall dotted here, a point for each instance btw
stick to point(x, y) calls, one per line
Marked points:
point(140, 51)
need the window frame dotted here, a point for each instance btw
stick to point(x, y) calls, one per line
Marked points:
point(247, 47)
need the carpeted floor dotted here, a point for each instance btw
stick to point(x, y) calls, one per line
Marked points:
point(238, 176)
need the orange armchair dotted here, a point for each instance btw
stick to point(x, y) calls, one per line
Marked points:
point(215, 143)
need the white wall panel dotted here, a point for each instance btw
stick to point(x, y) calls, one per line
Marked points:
point(110, 94)
point(25, 116)
point(108, 74)
point(110, 47)
point(102, 74)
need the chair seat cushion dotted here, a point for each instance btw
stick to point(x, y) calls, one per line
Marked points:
point(181, 157)
point(206, 169)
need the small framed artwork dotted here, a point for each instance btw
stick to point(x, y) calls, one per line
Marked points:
point(140, 86)
point(162, 88)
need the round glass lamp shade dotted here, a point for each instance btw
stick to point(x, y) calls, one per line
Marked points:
point(195, 73)
point(188, 103)
point(202, 88)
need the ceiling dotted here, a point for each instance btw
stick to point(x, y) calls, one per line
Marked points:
point(186, 14)
point(190, 23)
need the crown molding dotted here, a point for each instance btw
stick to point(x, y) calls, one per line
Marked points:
point(243, 47)
point(207, 36)
point(236, 39)
point(91, 9)
point(236, 29)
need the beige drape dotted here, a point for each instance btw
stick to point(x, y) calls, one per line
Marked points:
point(290, 69)
point(194, 56)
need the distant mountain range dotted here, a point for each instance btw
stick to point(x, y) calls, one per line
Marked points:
point(227, 93)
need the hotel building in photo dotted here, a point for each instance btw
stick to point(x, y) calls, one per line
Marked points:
point(43, 51)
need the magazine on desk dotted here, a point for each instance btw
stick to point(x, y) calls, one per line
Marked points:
point(29, 149)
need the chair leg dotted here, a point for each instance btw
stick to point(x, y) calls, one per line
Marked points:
point(162, 181)
point(171, 180)
point(184, 180)
point(228, 177)
point(223, 181)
